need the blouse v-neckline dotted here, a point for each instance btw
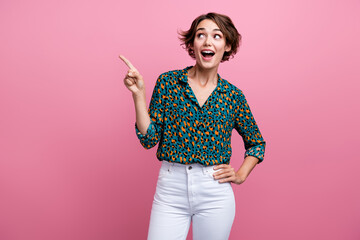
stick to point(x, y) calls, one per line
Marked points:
point(193, 93)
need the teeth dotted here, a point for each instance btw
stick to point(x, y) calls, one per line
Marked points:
point(207, 53)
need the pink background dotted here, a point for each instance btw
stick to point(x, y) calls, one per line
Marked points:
point(71, 166)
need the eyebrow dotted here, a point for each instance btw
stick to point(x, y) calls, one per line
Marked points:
point(216, 29)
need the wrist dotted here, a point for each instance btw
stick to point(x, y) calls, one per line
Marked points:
point(138, 95)
point(241, 176)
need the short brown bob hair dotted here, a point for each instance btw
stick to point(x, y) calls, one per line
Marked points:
point(232, 36)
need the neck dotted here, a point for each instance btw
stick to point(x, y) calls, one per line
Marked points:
point(203, 76)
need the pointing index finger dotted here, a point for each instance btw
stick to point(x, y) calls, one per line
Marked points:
point(127, 62)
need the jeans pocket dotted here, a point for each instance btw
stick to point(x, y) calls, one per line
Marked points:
point(222, 187)
point(210, 173)
point(164, 171)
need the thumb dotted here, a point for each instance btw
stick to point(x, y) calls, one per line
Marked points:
point(135, 74)
point(138, 79)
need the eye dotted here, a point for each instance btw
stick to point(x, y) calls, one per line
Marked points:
point(217, 36)
point(200, 35)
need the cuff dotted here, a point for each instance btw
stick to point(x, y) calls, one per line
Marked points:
point(149, 132)
point(257, 151)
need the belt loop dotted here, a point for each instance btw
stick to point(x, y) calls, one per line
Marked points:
point(205, 170)
point(171, 166)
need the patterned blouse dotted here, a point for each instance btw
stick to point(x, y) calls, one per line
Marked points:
point(188, 133)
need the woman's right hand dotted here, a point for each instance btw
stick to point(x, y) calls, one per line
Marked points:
point(133, 80)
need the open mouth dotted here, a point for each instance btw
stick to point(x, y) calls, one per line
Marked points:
point(207, 53)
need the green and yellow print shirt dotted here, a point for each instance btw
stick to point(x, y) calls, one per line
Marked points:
point(188, 133)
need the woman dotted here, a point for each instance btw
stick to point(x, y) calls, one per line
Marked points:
point(191, 115)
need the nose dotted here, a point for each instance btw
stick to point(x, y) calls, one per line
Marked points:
point(207, 41)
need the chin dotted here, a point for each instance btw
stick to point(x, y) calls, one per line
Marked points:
point(207, 65)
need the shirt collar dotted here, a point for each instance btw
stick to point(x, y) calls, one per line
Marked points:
point(221, 85)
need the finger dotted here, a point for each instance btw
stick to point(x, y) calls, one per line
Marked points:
point(127, 62)
point(134, 74)
point(225, 168)
point(229, 179)
point(225, 174)
point(228, 170)
point(129, 81)
point(220, 166)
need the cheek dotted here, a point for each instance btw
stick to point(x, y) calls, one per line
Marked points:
point(220, 48)
point(197, 44)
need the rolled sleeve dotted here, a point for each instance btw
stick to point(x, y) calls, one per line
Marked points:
point(146, 139)
point(256, 151)
point(246, 126)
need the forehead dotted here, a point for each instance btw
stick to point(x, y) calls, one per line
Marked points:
point(207, 24)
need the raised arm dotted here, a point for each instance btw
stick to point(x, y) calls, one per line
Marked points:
point(149, 123)
point(135, 83)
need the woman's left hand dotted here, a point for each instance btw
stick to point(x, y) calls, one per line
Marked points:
point(227, 174)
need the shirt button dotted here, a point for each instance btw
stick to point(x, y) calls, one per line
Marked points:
point(190, 167)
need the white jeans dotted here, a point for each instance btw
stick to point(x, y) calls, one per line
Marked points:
point(186, 193)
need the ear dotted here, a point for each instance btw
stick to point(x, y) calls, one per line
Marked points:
point(227, 48)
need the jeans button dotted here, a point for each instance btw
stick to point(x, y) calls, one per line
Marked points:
point(190, 167)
